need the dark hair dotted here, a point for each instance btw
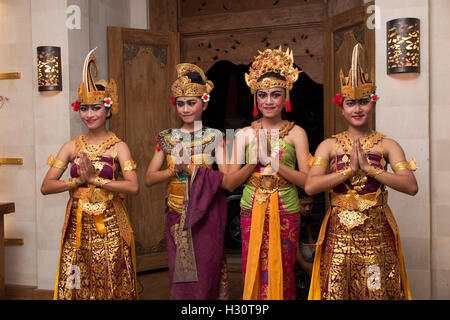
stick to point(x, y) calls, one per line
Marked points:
point(102, 88)
point(195, 77)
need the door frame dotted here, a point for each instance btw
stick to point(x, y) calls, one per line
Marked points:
point(117, 37)
point(344, 20)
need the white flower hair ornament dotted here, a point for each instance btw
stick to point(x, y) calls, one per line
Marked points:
point(205, 97)
point(374, 97)
point(108, 102)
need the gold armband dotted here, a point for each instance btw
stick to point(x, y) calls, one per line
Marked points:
point(346, 172)
point(310, 160)
point(55, 163)
point(129, 165)
point(374, 171)
point(410, 165)
point(71, 183)
point(320, 162)
point(100, 182)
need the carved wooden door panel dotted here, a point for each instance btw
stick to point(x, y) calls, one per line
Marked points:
point(143, 64)
point(341, 33)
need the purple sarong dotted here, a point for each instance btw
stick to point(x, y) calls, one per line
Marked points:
point(205, 222)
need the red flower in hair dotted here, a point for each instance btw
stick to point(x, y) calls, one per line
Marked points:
point(172, 100)
point(338, 100)
point(374, 97)
point(76, 106)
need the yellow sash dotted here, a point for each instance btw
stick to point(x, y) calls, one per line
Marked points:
point(251, 283)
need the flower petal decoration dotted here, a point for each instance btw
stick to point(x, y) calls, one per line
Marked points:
point(374, 97)
point(76, 106)
point(108, 102)
point(205, 97)
point(172, 100)
point(338, 100)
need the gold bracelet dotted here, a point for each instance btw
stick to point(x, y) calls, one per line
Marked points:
point(346, 172)
point(72, 183)
point(100, 182)
point(318, 161)
point(374, 171)
point(170, 172)
point(129, 165)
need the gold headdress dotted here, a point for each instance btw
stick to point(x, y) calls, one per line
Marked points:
point(88, 93)
point(184, 87)
point(275, 61)
point(357, 84)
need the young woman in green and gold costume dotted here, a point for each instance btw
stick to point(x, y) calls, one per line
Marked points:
point(358, 252)
point(270, 210)
point(97, 258)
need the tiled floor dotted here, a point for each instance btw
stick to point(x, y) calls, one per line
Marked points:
point(155, 285)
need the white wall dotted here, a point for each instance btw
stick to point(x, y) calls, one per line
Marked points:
point(33, 124)
point(440, 146)
point(403, 113)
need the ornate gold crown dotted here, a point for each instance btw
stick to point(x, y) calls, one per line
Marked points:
point(272, 61)
point(87, 90)
point(184, 87)
point(357, 84)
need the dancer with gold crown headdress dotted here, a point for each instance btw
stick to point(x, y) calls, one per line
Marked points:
point(358, 252)
point(270, 210)
point(196, 204)
point(97, 259)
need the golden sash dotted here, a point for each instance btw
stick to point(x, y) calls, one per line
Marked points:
point(266, 197)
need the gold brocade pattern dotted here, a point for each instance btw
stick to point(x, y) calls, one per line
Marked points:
point(102, 268)
point(195, 143)
point(360, 263)
point(97, 258)
point(358, 251)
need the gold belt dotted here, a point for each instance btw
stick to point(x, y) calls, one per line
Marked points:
point(354, 205)
point(361, 202)
point(93, 201)
point(268, 183)
point(176, 189)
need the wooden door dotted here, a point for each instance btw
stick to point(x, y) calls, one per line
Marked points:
point(341, 33)
point(143, 64)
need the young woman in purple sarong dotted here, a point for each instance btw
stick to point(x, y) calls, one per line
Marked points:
point(196, 204)
point(97, 259)
point(358, 252)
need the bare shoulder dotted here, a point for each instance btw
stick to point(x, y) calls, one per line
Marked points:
point(326, 148)
point(298, 131)
point(122, 147)
point(390, 144)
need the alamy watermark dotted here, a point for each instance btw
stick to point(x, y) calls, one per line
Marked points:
point(258, 147)
point(73, 20)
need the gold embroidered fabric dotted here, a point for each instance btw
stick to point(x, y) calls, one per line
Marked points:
point(359, 179)
point(93, 151)
point(103, 268)
point(196, 143)
point(185, 263)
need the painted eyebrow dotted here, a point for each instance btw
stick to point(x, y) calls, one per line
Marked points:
point(189, 100)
